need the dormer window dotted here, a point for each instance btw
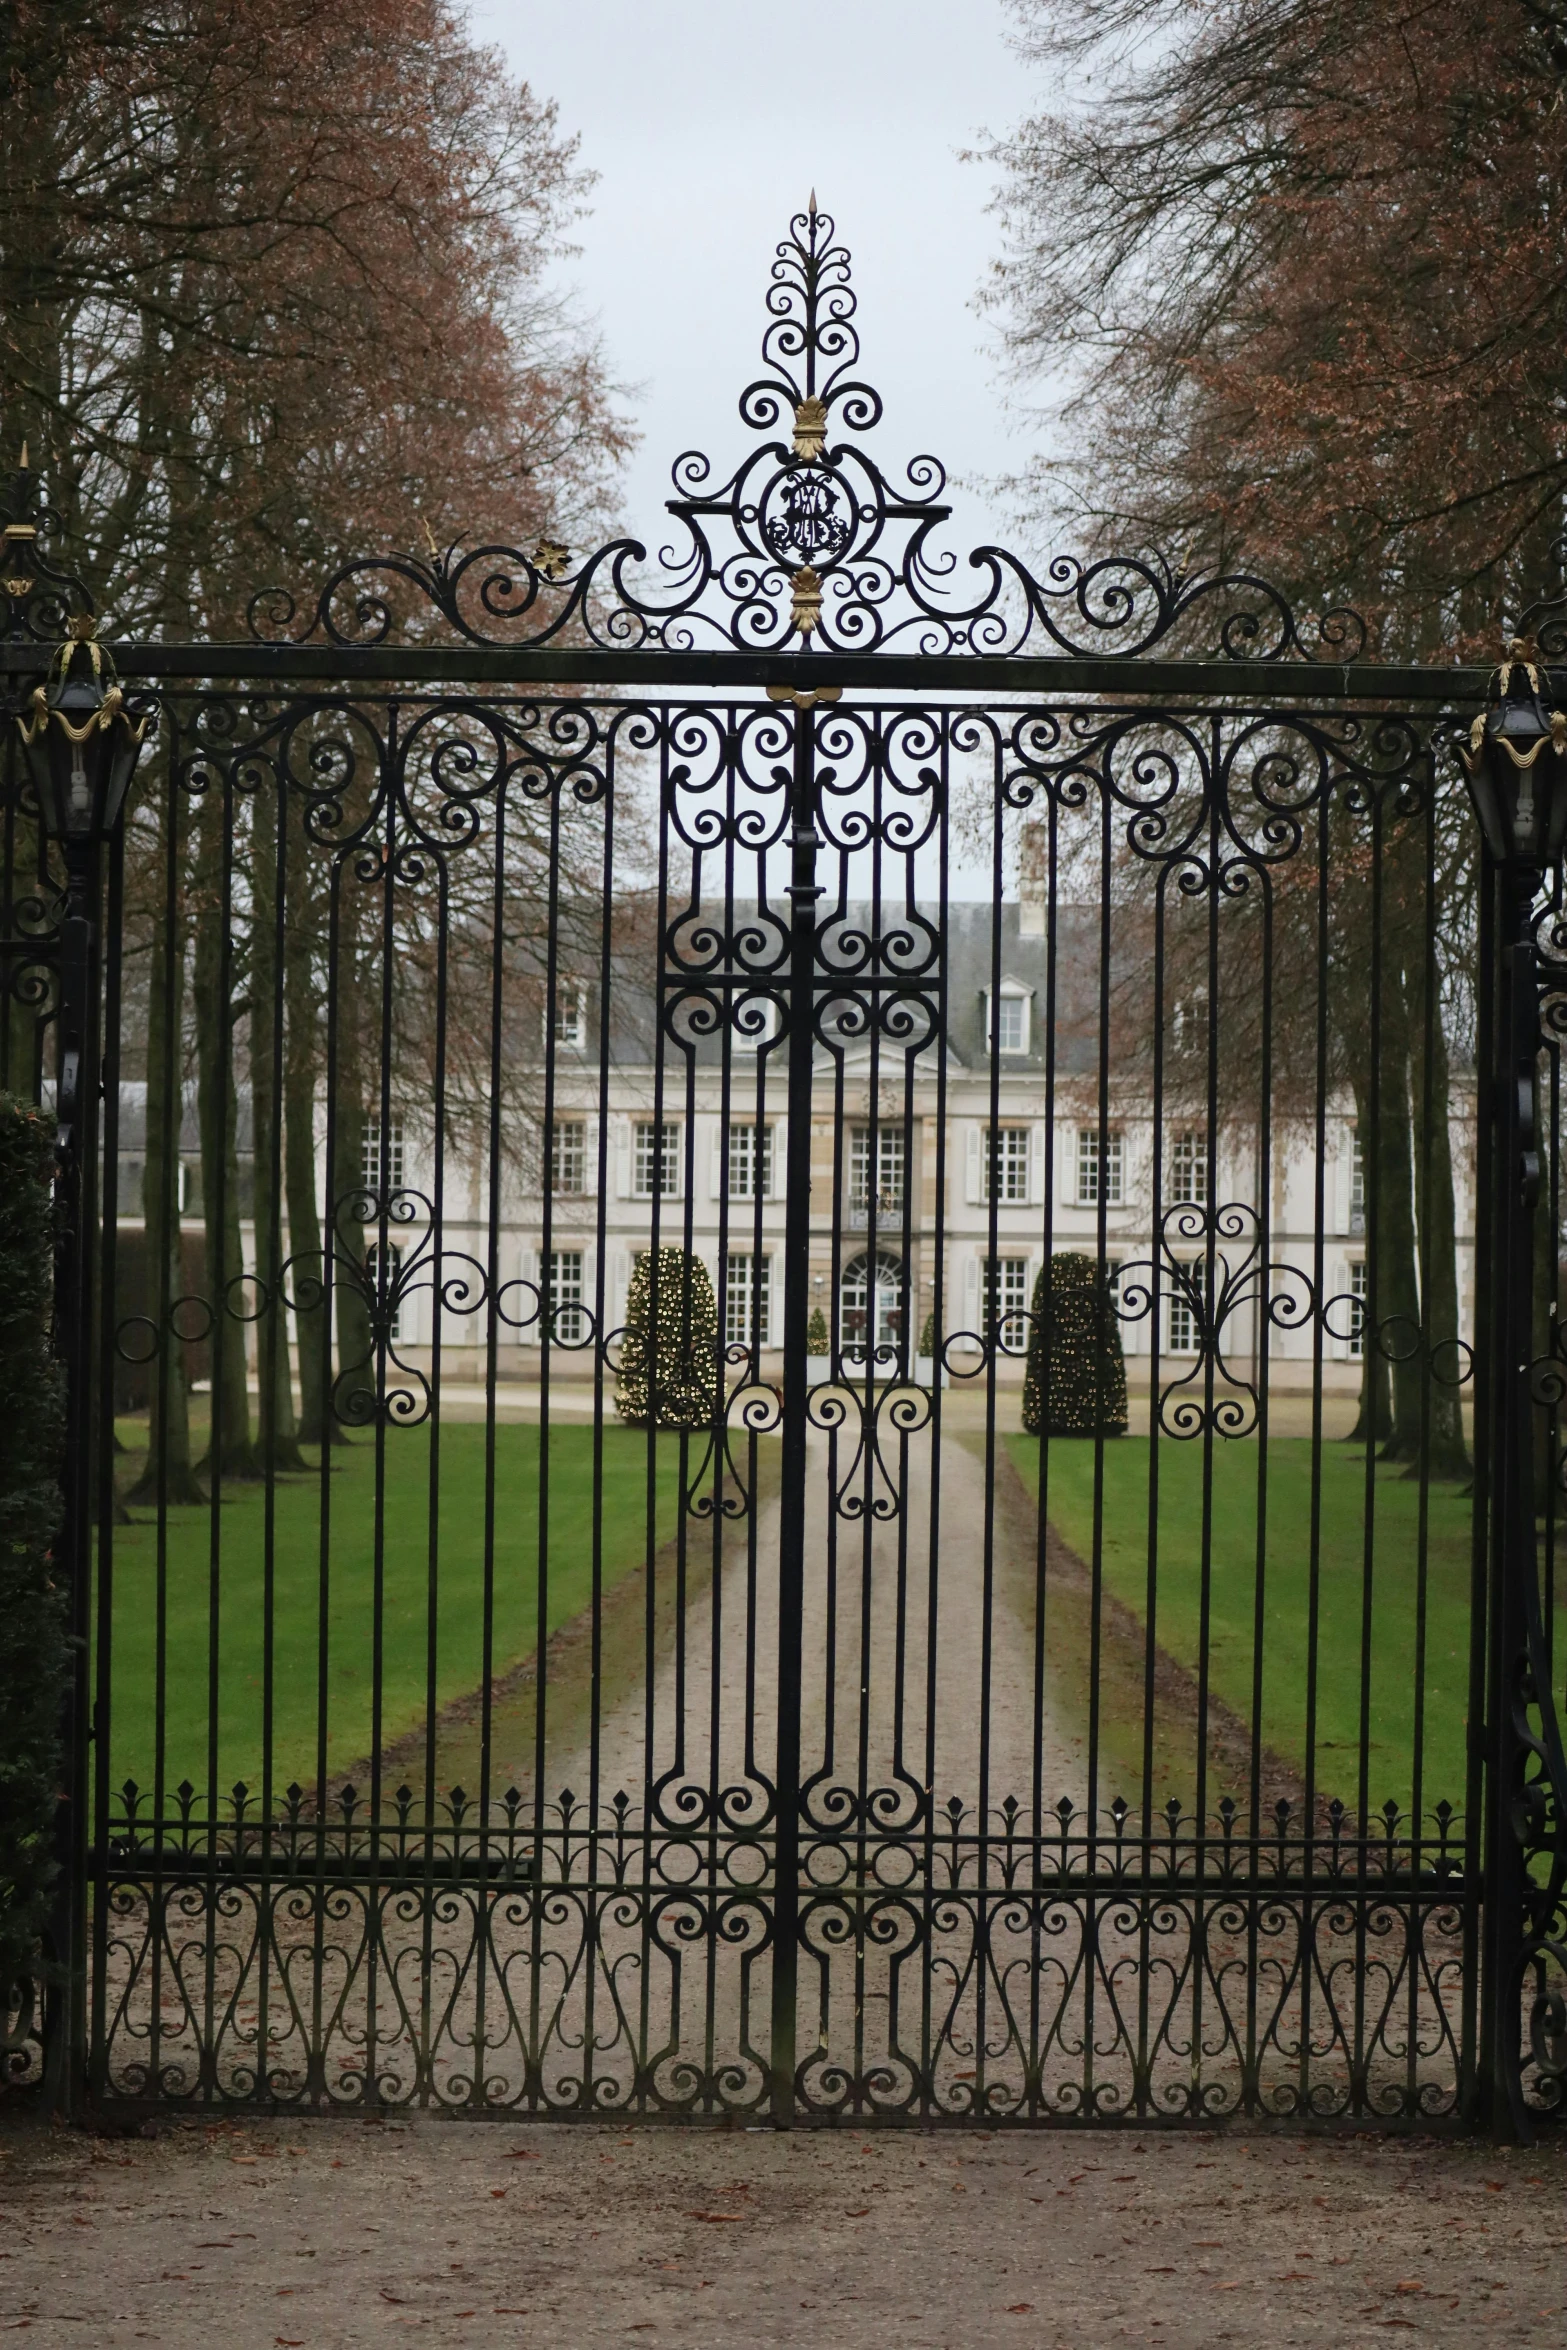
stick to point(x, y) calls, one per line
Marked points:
point(568, 1023)
point(1008, 1022)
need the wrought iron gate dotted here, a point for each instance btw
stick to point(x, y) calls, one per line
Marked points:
point(759, 1219)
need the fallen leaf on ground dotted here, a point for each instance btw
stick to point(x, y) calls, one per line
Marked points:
point(734, 2217)
point(864, 2214)
point(1020, 2309)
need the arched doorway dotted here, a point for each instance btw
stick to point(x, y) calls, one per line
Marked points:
point(871, 1306)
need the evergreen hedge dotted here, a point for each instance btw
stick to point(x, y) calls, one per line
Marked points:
point(32, 1612)
point(669, 1369)
point(1075, 1335)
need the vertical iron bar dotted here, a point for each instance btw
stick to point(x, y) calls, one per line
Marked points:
point(803, 894)
point(1511, 1437)
point(76, 1105)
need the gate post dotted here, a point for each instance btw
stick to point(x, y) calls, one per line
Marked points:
point(803, 894)
point(1517, 773)
point(82, 744)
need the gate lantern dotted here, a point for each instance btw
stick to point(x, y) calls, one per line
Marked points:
point(82, 744)
point(1517, 766)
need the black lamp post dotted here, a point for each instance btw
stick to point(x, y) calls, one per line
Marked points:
point(82, 744)
point(1516, 761)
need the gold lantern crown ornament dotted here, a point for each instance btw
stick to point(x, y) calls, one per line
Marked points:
point(1516, 761)
point(82, 742)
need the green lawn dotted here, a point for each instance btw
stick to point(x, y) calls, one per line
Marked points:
point(224, 1612)
point(1398, 1588)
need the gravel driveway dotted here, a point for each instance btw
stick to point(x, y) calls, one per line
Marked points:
point(558, 2237)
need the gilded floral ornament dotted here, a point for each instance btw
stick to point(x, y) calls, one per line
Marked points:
point(805, 610)
point(810, 429)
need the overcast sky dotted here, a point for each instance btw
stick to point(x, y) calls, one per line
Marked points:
point(708, 123)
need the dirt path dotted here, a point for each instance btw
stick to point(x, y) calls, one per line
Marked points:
point(324, 2235)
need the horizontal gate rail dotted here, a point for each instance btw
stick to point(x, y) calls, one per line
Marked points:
point(948, 675)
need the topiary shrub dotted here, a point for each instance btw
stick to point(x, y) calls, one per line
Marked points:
point(928, 1336)
point(816, 1340)
point(669, 1368)
point(32, 1610)
point(1075, 1380)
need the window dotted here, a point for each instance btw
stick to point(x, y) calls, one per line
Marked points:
point(1098, 1174)
point(1009, 1024)
point(1189, 1168)
point(746, 1300)
point(750, 1161)
point(1006, 1302)
point(885, 1151)
point(1357, 1184)
point(565, 1320)
point(1359, 1291)
point(1184, 1331)
point(381, 1273)
point(1006, 1163)
point(656, 1167)
point(569, 1024)
point(568, 1155)
point(383, 1155)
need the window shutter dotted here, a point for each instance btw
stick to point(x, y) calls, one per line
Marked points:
point(622, 1158)
point(718, 1158)
point(976, 1192)
point(971, 1296)
point(616, 1288)
point(523, 1310)
point(676, 1161)
point(1036, 1166)
point(777, 1152)
point(590, 1146)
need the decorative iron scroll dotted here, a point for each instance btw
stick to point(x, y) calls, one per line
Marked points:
point(808, 546)
point(39, 599)
point(1009, 1969)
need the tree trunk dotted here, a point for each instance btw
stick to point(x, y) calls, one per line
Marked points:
point(168, 1471)
point(278, 1446)
point(306, 1268)
point(1396, 1273)
point(229, 1452)
point(1374, 1420)
point(1438, 1249)
point(354, 1396)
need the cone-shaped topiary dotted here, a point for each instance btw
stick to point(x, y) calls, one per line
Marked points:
point(816, 1341)
point(1075, 1381)
point(32, 1620)
point(669, 1369)
point(928, 1336)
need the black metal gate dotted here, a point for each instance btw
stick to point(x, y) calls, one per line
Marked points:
point(803, 1270)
